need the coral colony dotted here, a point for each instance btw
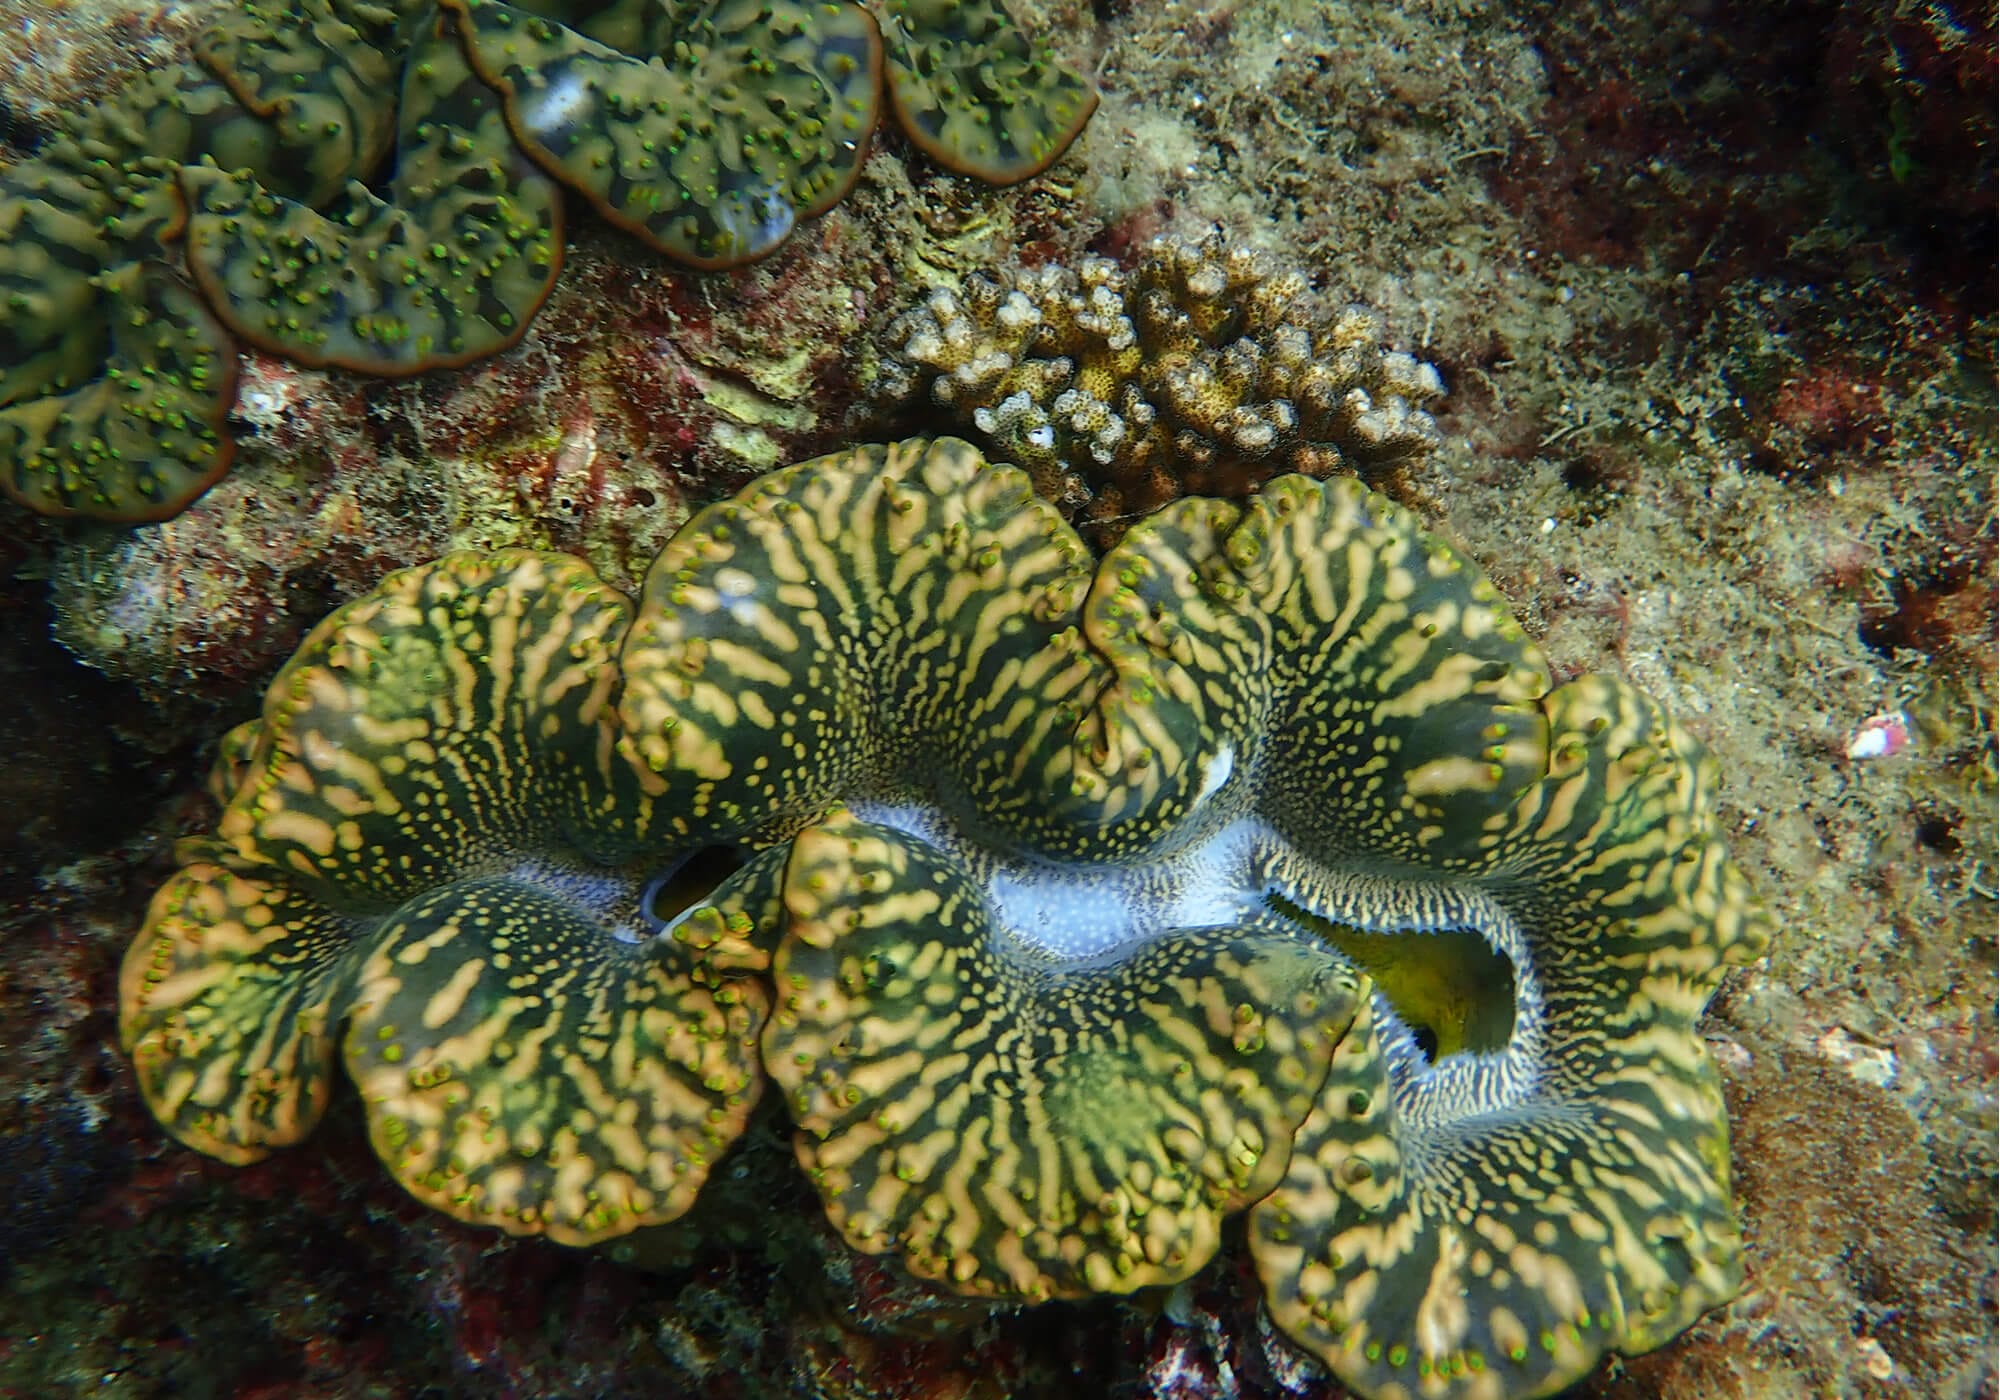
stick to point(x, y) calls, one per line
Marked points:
point(1125, 823)
point(1199, 372)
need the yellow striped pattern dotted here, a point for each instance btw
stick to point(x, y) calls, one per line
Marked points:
point(519, 1073)
point(1504, 1258)
point(228, 1003)
point(1301, 704)
point(1033, 1132)
point(849, 618)
point(1393, 698)
point(430, 752)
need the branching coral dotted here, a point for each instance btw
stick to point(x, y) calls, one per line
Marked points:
point(225, 199)
point(1256, 864)
point(1202, 371)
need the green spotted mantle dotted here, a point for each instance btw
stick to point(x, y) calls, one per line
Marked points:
point(1060, 899)
point(377, 185)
